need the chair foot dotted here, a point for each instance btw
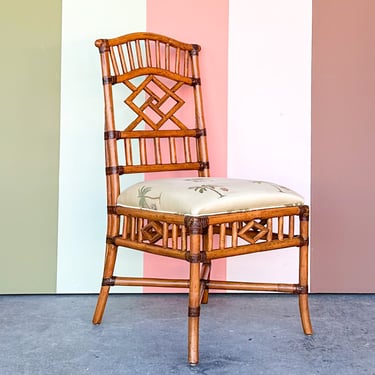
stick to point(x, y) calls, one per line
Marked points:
point(100, 305)
point(305, 314)
point(193, 341)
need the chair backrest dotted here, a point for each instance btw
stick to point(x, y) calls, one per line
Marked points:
point(154, 76)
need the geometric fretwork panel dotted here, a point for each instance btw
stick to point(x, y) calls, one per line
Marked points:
point(253, 231)
point(217, 236)
point(160, 104)
point(152, 232)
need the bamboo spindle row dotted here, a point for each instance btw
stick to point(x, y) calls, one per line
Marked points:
point(159, 150)
point(142, 53)
point(218, 237)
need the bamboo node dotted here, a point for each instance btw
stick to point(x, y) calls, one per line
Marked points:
point(109, 281)
point(204, 165)
point(195, 50)
point(302, 289)
point(102, 44)
point(114, 170)
point(112, 134)
point(304, 213)
point(200, 133)
point(304, 242)
point(196, 258)
point(110, 240)
point(194, 312)
point(111, 210)
point(195, 81)
point(196, 225)
point(109, 80)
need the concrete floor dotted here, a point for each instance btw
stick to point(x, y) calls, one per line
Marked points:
point(146, 334)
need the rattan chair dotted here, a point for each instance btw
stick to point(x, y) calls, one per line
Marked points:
point(192, 217)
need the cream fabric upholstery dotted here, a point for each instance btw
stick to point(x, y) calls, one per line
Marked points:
point(207, 195)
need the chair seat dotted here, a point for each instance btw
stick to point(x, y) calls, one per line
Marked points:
point(207, 195)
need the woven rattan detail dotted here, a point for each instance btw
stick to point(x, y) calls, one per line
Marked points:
point(196, 225)
point(112, 134)
point(195, 50)
point(118, 169)
point(109, 80)
point(204, 165)
point(304, 213)
point(194, 312)
point(302, 289)
point(196, 81)
point(110, 240)
point(196, 258)
point(110, 281)
point(111, 210)
point(201, 132)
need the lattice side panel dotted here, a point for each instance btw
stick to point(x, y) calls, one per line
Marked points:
point(257, 231)
point(155, 232)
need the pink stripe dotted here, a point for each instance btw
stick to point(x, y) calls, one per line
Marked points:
point(204, 23)
point(343, 133)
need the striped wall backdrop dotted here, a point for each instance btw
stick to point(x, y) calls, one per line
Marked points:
point(256, 65)
point(237, 117)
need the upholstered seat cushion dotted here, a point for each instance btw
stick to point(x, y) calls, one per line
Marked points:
point(207, 195)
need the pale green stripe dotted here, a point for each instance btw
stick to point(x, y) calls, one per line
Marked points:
point(29, 144)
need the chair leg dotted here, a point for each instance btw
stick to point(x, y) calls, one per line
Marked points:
point(193, 314)
point(305, 315)
point(303, 296)
point(194, 301)
point(109, 265)
point(100, 305)
point(304, 273)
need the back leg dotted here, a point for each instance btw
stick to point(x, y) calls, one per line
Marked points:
point(109, 265)
point(304, 271)
point(305, 315)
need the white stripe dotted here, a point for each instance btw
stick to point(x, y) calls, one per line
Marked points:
point(269, 105)
point(82, 217)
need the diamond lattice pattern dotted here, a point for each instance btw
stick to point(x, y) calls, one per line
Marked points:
point(160, 105)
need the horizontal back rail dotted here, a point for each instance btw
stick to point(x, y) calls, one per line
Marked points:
point(148, 53)
point(155, 168)
point(194, 133)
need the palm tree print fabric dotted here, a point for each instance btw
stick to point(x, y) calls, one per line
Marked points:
point(207, 195)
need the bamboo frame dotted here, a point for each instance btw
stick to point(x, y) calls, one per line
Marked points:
point(165, 67)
